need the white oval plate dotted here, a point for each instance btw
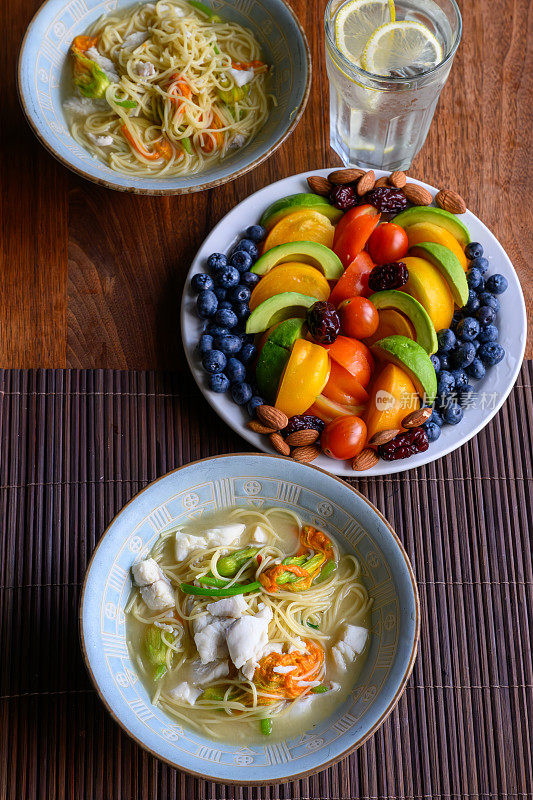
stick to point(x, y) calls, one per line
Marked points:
point(491, 391)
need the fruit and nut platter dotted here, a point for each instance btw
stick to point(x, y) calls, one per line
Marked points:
point(353, 320)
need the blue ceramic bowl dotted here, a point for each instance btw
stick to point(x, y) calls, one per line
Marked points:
point(251, 480)
point(42, 90)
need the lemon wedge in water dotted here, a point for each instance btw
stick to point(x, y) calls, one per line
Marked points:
point(356, 21)
point(406, 47)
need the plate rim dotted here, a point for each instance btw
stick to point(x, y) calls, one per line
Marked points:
point(154, 192)
point(395, 467)
point(351, 748)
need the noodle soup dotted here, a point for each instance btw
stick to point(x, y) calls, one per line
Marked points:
point(248, 624)
point(166, 89)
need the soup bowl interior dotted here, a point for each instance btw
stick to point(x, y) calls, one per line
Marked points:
point(256, 482)
point(44, 85)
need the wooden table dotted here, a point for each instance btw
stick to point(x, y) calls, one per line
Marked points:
point(93, 278)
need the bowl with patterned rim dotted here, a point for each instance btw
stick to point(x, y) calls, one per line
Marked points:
point(42, 85)
point(251, 480)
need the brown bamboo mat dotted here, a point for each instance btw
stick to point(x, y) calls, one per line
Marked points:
point(76, 445)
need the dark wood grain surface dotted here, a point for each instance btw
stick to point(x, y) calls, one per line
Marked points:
point(92, 278)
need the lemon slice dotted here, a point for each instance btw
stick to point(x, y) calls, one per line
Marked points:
point(401, 46)
point(356, 21)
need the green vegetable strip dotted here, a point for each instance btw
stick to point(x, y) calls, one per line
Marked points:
point(229, 565)
point(213, 693)
point(186, 144)
point(201, 7)
point(265, 726)
point(311, 625)
point(156, 649)
point(327, 570)
point(125, 103)
point(160, 673)
point(210, 580)
point(229, 592)
point(319, 689)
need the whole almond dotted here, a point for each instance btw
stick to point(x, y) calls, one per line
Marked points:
point(366, 183)
point(381, 182)
point(366, 459)
point(305, 454)
point(398, 179)
point(417, 418)
point(258, 427)
point(450, 201)
point(277, 442)
point(417, 195)
point(303, 437)
point(382, 437)
point(320, 185)
point(340, 176)
point(272, 417)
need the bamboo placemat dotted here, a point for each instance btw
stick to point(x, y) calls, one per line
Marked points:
point(76, 445)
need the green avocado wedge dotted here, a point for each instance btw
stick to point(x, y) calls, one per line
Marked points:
point(438, 216)
point(278, 308)
point(274, 356)
point(299, 202)
point(449, 267)
point(312, 253)
point(411, 357)
point(426, 335)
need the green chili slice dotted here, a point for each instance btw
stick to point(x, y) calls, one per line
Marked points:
point(265, 726)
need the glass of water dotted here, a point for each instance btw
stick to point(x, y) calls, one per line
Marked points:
point(381, 121)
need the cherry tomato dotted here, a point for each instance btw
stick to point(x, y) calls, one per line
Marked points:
point(387, 243)
point(354, 237)
point(349, 216)
point(354, 280)
point(344, 437)
point(354, 356)
point(359, 317)
point(343, 388)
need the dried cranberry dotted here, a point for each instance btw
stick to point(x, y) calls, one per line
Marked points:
point(302, 422)
point(406, 444)
point(385, 198)
point(323, 322)
point(344, 196)
point(388, 276)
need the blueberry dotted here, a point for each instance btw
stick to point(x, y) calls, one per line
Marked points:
point(220, 293)
point(235, 370)
point(432, 431)
point(491, 353)
point(445, 382)
point(474, 278)
point(444, 359)
point(485, 315)
point(214, 361)
point(228, 344)
point(435, 360)
point(249, 279)
point(254, 403)
point(452, 414)
point(488, 334)
point(201, 281)
point(242, 310)
point(472, 304)
point(216, 330)
point(468, 329)
point(463, 355)
point(473, 250)
point(460, 378)
point(481, 264)
point(241, 260)
point(241, 393)
point(247, 246)
point(239, 294)
point(205, 344)
point(496, 284)
point(476, 369)
point(488, 299)
point(466, 394)
point(226, 318)
point(248, 352)
point(206, 304)
point(227, 277)
point(216, 261)
point(218, 382)
point(436, 418)
point(255, 232)
point(446, 339)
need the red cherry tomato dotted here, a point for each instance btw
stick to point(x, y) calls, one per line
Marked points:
point(359, 317)
point(343, 388)
point(349, 216)
point(388, 243)
point(344, 437)
point(353, 356)
point(354, 280)
point(354, 237)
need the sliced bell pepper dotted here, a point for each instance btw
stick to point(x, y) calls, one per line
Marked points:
point(349, 216)
point(354, 356)
point(354, 281)
point(354, 237)
point(304, 377)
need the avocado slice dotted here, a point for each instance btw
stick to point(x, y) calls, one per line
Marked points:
point(277, 308)
point(313, 253)
point(448, 265)
point(426, 336)
point(274, 356)
point(438, 216)
point(298, 202)
point(411, 357)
